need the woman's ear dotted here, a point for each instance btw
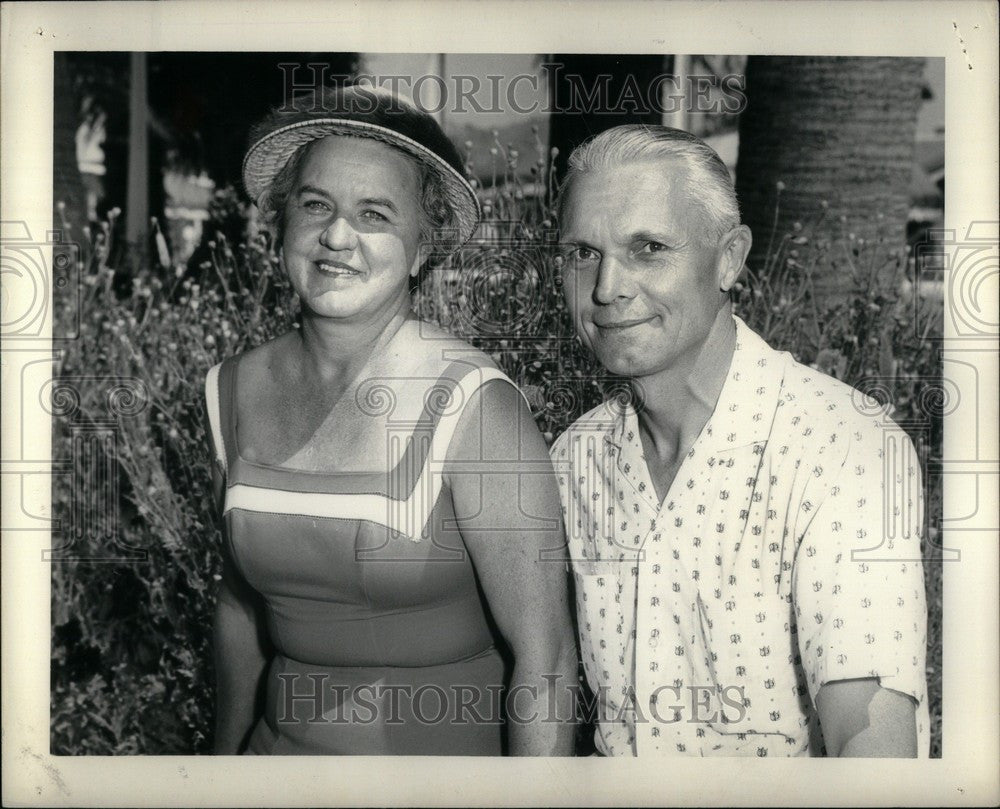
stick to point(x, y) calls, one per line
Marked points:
point(420, 259)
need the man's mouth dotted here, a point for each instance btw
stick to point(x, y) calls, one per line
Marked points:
point(335, 269)
point(621, 325)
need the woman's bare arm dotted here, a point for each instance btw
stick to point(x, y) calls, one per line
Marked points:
point(241, 655)
point(507, 504)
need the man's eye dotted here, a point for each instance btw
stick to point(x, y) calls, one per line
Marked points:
point(374, 216)
point(653, 247)
point(582, 254)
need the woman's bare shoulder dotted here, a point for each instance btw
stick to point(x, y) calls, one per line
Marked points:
point(441, 353)
point(261, 361)
point(450, 359)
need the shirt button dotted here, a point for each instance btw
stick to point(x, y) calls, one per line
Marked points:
point(652, 643)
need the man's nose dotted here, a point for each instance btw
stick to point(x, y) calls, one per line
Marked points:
point(339, 235)
point(611, 281)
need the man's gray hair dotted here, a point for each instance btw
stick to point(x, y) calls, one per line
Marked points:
point(711, 186)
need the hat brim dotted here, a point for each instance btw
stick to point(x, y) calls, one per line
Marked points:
point(268, 156)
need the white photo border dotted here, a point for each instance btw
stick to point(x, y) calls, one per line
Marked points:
point(964, 33)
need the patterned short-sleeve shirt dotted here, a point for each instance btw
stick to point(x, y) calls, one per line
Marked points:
point(785, 555)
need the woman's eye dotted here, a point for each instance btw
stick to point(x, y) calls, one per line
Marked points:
point(315, 205)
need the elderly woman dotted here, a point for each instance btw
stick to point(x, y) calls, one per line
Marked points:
point(392, 528)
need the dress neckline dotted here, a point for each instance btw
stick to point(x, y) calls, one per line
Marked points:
point(239, 458)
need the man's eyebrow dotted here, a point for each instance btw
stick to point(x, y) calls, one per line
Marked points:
point(631, 238)
point(650, 236)
point(574, 242)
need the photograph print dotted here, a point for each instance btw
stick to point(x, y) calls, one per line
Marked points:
point(512, 404)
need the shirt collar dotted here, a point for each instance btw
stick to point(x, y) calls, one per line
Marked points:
point(745, 409)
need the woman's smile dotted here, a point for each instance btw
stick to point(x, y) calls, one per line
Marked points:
point(337, 269)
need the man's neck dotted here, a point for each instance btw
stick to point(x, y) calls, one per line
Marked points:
point(676, 403)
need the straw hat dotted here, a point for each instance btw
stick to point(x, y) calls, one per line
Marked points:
point(367, 112)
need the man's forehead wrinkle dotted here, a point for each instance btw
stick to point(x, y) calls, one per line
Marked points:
point(623, 224)
point(613, 206)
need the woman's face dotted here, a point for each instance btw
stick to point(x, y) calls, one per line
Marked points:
point(352, 226)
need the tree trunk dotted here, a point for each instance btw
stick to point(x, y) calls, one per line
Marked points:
point(836, 136)
point(137, 195)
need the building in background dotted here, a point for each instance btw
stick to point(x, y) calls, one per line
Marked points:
point(502, 110)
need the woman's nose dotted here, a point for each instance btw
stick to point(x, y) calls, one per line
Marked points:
point(339, 235)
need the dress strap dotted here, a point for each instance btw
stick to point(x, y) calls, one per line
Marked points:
point(415, 512)
point(214, 407)
point(464, 390)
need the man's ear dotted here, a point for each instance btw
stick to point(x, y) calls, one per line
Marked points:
point(735, 248)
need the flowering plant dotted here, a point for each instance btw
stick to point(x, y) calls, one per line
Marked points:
point(131, 645)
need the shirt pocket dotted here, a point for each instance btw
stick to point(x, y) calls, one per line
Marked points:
point(599, 617)
point(750, 658)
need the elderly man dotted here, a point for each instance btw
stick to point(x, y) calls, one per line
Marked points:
point(746, 558)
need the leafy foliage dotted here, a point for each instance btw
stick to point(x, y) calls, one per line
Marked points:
point(131, 646)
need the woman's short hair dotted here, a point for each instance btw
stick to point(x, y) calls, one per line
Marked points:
point(436, 214)
point(711, 185)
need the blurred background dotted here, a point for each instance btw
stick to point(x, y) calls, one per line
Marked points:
point(839, 168)
point(158, 134)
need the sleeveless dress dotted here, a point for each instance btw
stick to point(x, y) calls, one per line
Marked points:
point(383, 641)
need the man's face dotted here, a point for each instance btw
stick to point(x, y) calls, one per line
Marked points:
point(642, 274)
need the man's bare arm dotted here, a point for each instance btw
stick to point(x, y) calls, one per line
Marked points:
point(861, 719)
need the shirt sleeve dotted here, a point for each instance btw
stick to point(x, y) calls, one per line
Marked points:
point(560, 455)
point(857, 582)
